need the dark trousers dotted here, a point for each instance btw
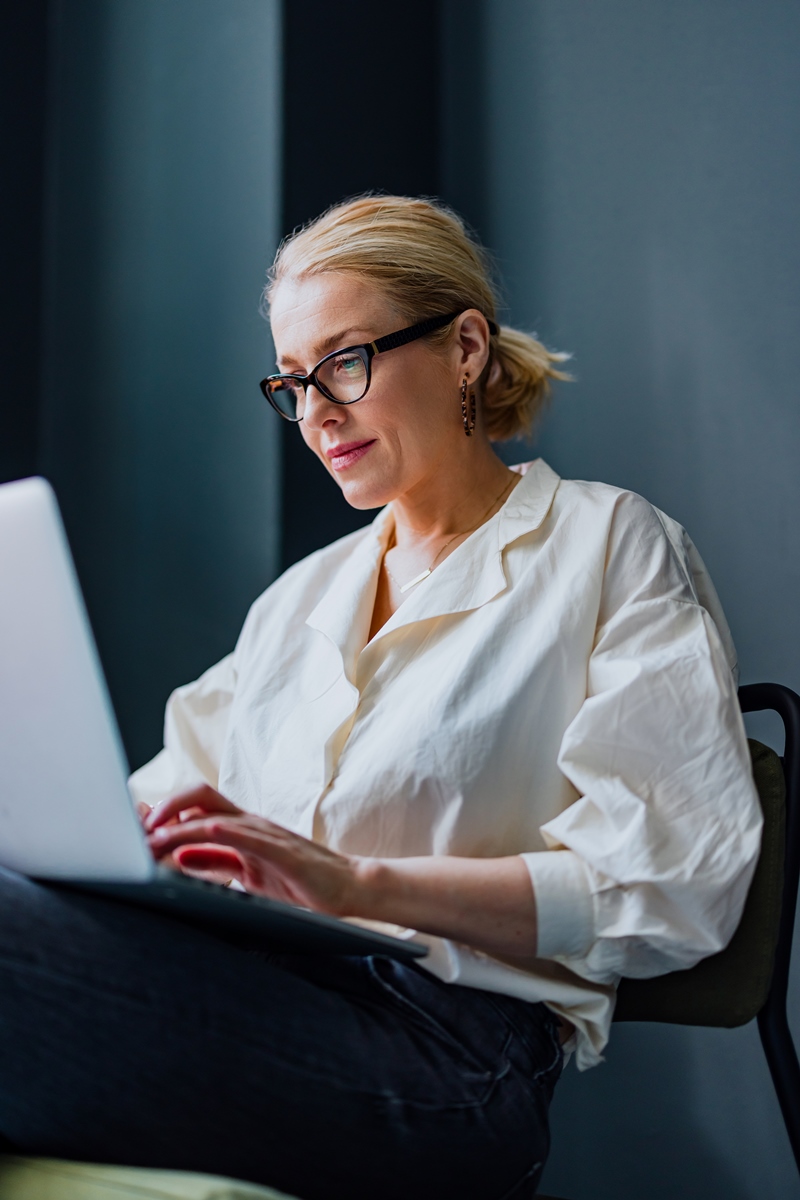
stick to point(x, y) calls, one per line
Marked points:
point(130, 1038)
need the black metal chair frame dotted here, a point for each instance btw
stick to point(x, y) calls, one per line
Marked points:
point(773, 1023)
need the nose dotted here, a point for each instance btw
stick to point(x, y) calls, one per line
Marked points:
point(319, 411)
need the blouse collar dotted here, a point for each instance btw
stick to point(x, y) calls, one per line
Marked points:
point(467, 579)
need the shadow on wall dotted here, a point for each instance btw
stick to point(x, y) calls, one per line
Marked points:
point(663, 1149)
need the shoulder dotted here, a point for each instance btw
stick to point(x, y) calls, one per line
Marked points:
point(617, 505)
point(638, 549)
point(616, 523)
point(587, 522)
point(542, 491)
point(648, 555)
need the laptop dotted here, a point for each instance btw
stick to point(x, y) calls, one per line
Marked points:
point(66, 816)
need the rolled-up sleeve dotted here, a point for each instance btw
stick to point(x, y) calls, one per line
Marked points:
point(650, 866)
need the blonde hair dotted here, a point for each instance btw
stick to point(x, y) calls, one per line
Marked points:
point(422, 257)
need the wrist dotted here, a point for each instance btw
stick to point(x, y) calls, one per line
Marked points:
point(368, 888)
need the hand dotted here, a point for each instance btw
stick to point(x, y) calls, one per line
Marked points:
point(487, 903)
point(143, 811)
point(168, 860)
point(204, 833)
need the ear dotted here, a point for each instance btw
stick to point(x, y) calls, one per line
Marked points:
point(472, 343)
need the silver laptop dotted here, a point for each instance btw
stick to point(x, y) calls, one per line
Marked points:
point(66, 816)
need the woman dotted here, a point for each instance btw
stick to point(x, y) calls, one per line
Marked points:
point(502, 719)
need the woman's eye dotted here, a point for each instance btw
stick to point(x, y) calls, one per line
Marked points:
point(349, 365)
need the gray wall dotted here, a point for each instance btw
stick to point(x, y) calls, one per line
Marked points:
point(163, 196)
point(640, 186)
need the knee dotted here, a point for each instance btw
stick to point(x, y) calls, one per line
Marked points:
point(14, 888)
point(29, 911)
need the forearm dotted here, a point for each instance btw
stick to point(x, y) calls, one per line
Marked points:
point(487, 903)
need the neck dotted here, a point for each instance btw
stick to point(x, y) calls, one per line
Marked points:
point(457, 496)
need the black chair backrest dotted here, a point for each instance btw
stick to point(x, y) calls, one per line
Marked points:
point(729, 988)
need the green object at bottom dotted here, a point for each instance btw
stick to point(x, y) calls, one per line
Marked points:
point(55, 1179)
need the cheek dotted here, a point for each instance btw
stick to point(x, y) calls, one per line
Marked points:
point(430, 411)
point(422, 403)
point(312, 439)
point(309, 436)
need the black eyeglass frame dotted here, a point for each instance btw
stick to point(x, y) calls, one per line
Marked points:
point(366, 352)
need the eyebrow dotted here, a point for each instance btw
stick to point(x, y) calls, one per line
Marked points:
point(337, 341)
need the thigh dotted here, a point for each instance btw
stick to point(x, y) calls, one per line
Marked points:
point(128, 1037)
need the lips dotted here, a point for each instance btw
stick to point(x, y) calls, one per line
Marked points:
point(347, 453)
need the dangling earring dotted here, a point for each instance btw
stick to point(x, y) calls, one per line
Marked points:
point(468, 418)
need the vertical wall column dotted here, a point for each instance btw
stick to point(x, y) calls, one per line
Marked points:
point(163, 202)
point(361, 111)
point(23, 58)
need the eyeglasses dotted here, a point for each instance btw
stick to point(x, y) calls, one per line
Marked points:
point(345, 375)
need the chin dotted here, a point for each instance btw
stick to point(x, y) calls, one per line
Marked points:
point(364, 498)
point(366, 493)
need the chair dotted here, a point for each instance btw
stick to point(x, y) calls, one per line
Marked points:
point(748, 979)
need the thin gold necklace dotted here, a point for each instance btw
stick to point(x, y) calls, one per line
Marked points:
point(406, 587)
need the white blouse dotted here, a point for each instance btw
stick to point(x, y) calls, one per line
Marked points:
point(562, 687)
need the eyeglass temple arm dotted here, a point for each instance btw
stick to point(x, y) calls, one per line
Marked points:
point(392, 340)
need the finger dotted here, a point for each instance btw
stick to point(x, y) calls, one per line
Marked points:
point(191, 814)
point(270, 865)
point(169, 860)
point(169, 838)
point(143, 810)
point(228, 831)
point(202, 797)
point(221, 865)
point(219, 860)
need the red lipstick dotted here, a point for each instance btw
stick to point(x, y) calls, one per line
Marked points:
point(345, 454)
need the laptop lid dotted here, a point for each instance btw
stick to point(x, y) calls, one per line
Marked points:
point(65, 810)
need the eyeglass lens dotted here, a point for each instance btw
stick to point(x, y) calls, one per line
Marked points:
point(343, 377)
point(287, 396)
